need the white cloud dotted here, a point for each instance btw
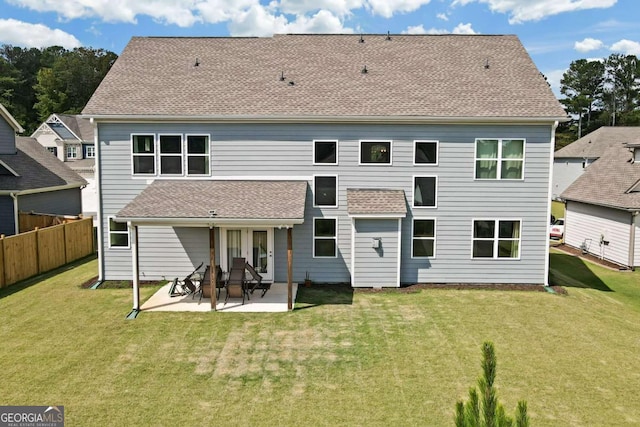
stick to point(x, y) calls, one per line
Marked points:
point(418, 29)
point(24, 34)
point(459, 29)
point(214, 11)
point(388, 8)
point(628, 47)
point(299, 7)
point(588, 44)
point(553, 78)
point(535, 10)
point(463, 29)
point(442, 16)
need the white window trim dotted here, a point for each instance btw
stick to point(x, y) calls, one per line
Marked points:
point(375, 164)
point(322, 175)
point(93, 148)
point(187, 155)
point(160, 155)
point(415, 146)
point(496, 240)
point(499, 160)
point(155, 155)
point(313, 159)
point(71, 148)
point(413, 189)
point(435, 236)
point(335, 238)
point(109, 218)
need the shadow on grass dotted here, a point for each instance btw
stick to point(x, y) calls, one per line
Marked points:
point(572, 272)
point(323, 294)
point(23, 284)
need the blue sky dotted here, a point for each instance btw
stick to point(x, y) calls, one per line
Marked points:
point(555, 32)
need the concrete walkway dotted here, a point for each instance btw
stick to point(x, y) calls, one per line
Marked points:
point(275, 300)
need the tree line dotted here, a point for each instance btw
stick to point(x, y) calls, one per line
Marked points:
point(34, 83)
point(600, 93)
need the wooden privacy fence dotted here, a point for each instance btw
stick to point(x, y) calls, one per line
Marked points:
point(28, 221)
point(35, 252)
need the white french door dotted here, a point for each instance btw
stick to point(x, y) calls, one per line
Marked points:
point(253, 244)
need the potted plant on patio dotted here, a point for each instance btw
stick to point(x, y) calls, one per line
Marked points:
point(307, 279)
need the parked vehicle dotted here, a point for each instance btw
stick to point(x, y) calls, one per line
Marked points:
point(557, 229)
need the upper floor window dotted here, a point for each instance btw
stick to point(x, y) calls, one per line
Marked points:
point(144, 157)
point(53, 150)
point(499, 158)
point(325, 152)
point(496, 238)
point(170, 154)
point(72, 151)
point(89, 151)
point(425, 191)
point(375, 152)
point(118, 234)
point(325, 191)
point(198, 155)
point(425, 153)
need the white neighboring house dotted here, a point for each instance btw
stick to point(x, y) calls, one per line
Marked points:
point(603, 204)
point(70, 139)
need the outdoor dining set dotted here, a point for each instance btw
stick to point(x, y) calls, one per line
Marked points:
point(240, 282)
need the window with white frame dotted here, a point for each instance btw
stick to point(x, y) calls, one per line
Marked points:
point(53, 150)
point(424, 238)
point(143, 152)
point(198, 155)
point(375, 152)
point(170, 154)
point(89, 151)
point(325, 152)
point(496, 238)
point(118, 234)
point(424, 191)
point(500, 158)
point(425, 153)
point(325, 238)
point(325, 191)
point(72, 151)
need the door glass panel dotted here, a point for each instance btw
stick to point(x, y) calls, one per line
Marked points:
point(234, 246)
point(260, 251)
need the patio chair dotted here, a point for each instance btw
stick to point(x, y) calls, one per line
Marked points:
point(255, 282)
point(235, 285)
point(204, 287)
point(184, 287)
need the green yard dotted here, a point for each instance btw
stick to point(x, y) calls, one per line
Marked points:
point(362, 359)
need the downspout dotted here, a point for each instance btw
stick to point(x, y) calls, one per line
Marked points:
point(550, 189)
point(100, 233)
point(16, 217)
point(632, 241)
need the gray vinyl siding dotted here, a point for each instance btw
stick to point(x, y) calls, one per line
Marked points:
point(7, 138)
point(565, 172)
point(281, 151)
point(376, 267)
point(7, 216)
point(61, 202)
point(587, 224)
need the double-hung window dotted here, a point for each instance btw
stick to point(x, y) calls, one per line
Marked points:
point(118, 234)
point(325, 237)
point(375, 152)
point(72, 151)
point(500, 158)
point(425, 191)
point(325, 191)
point(198, 155)
point(144, 154)
point(170, 154)
point(325, 152)
point(90, 151)
point(424, 238)
point(425, 153)
point(496, 238)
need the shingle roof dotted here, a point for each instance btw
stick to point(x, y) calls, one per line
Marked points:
point(230, 200)
point(441, 76)
point(37, 168)
point(78, 125)
point(594, 144)
point(368, 201)
point(607, 181)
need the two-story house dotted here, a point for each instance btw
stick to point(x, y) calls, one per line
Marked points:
point(376, 160)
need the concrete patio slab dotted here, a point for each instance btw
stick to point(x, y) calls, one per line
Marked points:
point(275, 300)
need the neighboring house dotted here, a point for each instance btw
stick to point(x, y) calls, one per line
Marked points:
point(31, 179)
point(70, 138)
point(602, 205)
point(374, 160)
point(571, 161)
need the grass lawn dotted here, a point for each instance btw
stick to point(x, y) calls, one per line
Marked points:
point(341, 358)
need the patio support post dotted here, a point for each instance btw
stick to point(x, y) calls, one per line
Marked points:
point(136, 266)
point(212, 266)
point(289, 269)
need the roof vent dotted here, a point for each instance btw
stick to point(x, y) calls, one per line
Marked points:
point(364, 70)
point(486, 64)
point(291, 83)
point(388, 36)
point(361, 39)
point(282, 76)
point(197, 63)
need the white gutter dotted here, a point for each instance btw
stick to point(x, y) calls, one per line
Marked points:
point(16, 217)
point(209, 222)
point(549, 194)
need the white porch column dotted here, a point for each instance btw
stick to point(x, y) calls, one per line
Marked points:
point(133, 232)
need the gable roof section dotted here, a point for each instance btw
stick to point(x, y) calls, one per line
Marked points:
point(409, 76)
point(607, 181)
point(278, 202)
point(376, 202)
point(9, 119)
point(37, 169)
point(80, 126)
point(594, 144)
